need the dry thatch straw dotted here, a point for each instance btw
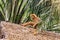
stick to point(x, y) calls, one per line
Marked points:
point(13, 31)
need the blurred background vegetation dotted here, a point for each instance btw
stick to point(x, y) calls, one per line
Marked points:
point(18, 11)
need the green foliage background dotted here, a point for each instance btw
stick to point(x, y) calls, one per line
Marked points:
point(18, 11)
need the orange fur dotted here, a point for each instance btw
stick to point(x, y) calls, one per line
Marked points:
point(34, 22)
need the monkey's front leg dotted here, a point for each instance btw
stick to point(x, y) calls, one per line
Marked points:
point(34, 26)
point(35, 29)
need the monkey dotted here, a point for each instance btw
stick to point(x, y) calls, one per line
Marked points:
point(35, 20)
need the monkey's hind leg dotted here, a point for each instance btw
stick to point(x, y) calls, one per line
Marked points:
point(28, 23)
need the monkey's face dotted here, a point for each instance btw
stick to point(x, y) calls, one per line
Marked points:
point(32, 16)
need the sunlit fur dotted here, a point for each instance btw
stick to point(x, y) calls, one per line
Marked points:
point(34, 22)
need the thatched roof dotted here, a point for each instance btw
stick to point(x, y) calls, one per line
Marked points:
point(11, 31)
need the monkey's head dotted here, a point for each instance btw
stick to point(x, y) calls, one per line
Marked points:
point(32, 16)
point(35, 18)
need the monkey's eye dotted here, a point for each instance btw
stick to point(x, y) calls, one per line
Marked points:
point(33, 18)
